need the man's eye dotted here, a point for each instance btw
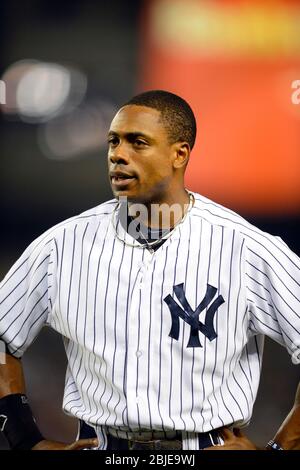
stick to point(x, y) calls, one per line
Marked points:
point(113, 141)
point(140, 143)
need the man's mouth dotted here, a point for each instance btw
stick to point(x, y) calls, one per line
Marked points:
point(123, 180)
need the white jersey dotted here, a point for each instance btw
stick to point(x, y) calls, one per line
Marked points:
point(170, 340)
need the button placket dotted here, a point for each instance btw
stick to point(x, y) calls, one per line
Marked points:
point(132, 349)
point(135, 353)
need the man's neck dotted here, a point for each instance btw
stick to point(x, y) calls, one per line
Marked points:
point(164, 214)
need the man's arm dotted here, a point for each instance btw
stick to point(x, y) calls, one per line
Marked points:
point(30, 274)
point(288, 435)
point(17, 422)
point(11, 376)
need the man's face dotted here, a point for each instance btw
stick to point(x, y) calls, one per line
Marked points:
point(139, 155)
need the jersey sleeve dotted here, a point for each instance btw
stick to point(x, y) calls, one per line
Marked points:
point(25, 295)
point(272, 279)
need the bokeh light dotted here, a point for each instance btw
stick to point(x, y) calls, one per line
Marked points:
point(38, 91)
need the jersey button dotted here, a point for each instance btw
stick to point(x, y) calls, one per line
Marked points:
point(138, 353)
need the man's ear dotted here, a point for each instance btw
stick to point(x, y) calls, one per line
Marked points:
point(182, 154)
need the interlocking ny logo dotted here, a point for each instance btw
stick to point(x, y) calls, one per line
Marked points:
point(190, 316)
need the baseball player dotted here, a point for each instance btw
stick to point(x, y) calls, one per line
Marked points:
point(162, 298)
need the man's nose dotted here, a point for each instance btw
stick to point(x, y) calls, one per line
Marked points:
point(119, 155)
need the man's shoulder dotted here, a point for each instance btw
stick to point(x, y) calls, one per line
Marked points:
point(91, 217)
point(219, 215)
point(96, 213)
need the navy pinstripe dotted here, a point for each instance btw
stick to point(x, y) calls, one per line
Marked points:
point(125, 372)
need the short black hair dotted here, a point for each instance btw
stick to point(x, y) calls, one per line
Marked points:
point(176, 114)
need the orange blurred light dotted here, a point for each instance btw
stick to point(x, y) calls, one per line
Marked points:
point(235, 63)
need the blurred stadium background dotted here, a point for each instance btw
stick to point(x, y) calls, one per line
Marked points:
point(67, 66)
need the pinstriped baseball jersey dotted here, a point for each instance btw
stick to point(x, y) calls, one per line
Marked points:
point(165, 340)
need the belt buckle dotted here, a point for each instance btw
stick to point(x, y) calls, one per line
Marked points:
point(141, 445)
point(157, 444)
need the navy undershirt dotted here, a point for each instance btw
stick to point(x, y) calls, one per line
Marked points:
point(149, 234)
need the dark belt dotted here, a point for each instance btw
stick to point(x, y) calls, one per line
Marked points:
point(156, 444)
point(206, 439)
